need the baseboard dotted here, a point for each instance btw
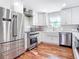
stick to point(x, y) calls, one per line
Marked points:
point(65, 46)
point(73, 54)
point(19, 55)
point(48, 44)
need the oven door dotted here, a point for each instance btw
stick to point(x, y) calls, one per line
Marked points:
point(33, 40)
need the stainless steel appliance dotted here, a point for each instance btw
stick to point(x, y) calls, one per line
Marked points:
point(5, 22)
point(13, 25)
point(10, 45)
point(14, 29)
point(32, 40)
point(65, 39)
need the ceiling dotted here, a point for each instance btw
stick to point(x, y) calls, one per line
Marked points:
point(49, 5)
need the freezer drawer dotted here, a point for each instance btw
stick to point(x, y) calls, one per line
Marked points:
point(10, 50)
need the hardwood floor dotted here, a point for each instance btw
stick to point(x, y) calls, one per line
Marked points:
point(47, 51)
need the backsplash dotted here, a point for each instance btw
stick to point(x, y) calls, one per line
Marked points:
point(62, 28)
point(69, 28)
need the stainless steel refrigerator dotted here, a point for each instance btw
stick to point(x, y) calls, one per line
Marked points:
point(65, 39)
point(5, 27)
point(10, 45)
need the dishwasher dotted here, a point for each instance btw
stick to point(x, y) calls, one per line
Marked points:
point(65, 39)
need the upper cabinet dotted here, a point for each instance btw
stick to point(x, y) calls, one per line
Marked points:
point(70, 16)
point(5, 3)
point(39, 19)
point(66, 16)
point(75, 15)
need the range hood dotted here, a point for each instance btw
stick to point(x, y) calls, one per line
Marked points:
point(28, 12)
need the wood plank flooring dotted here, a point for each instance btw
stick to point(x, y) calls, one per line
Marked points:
point(47, 51)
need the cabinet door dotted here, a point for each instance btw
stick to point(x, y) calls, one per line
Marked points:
point(66, 16)
point(19, 22)
point(63, 17)
point(75, 15)
point(41, 19)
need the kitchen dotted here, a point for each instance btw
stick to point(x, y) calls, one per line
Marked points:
point(39, 29)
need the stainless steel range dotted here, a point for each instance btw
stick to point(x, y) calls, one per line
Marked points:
point(32, 40)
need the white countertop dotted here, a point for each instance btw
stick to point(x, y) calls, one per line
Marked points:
point(57, 31)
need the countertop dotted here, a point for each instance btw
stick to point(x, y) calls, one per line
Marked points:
point(58, 31)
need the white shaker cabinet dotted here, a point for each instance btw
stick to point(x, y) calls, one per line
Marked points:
point(63, 17)
point(66, 16)
point(48, 37)
point(75, 15)
point(39, 19)
point(70, 16)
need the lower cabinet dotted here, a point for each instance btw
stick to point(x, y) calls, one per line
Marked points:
point(11, 50)
point(74, 46)
point(49, 37)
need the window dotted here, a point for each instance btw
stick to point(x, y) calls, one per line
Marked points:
point(55, 21)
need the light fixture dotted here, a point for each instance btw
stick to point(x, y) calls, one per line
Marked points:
point(16, 3)
point(64, 4)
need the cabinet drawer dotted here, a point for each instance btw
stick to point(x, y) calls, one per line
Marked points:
point(17, 44)
point(21, 41)
point(0, 48)
point(21, 51)
point(5, 47)
point(12, 53)
point(4, 53)
point(13, 45)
